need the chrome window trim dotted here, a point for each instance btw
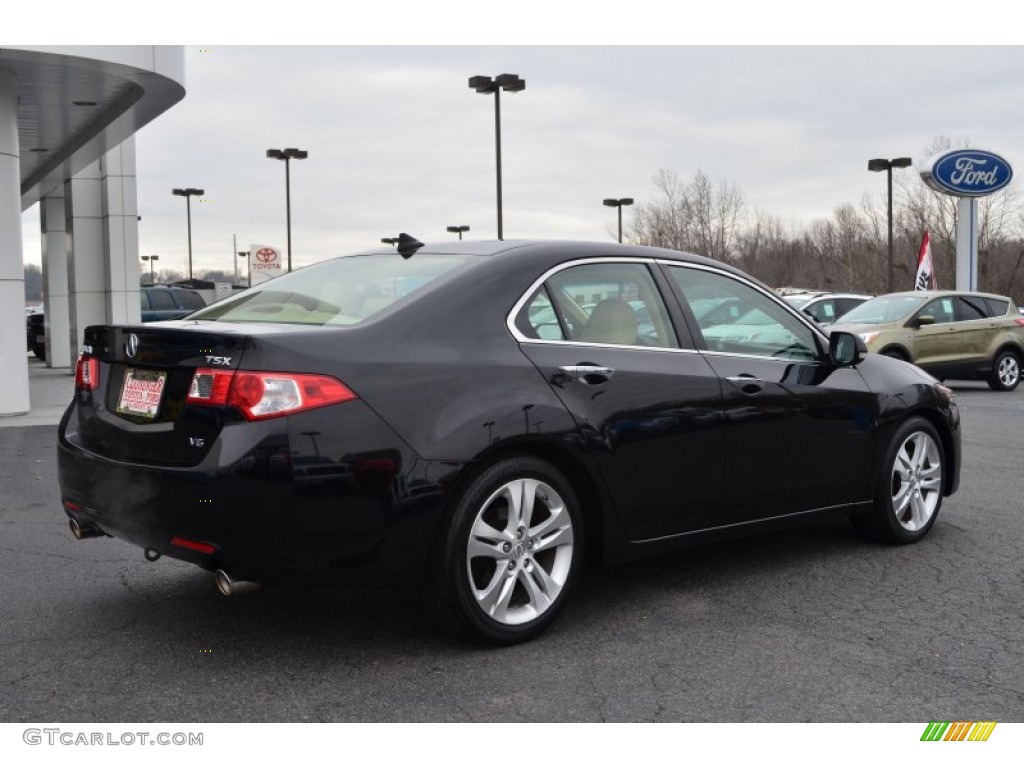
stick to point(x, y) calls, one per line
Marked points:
point(517, 307)
point(770, 295)
point(510, 323)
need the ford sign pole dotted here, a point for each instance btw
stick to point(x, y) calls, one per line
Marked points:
point(967, 174)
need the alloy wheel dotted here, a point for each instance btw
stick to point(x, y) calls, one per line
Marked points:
point(520, 551)
point(916, 483)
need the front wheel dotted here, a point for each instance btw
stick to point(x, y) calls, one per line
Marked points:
point(909, 491)
point(509, 553)
point(1005, 371)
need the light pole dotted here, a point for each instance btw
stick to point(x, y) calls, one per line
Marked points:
point(245, 255)
point(618, 203)
point(151, 260)
point(881, 164)
point(460, 229)
point(484, 84)
point(187, 194)
point(289, 154)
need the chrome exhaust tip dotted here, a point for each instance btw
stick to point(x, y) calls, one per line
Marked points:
point(230, 586)
point(84, 530)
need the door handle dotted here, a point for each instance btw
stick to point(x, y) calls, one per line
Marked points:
point(588, 374)
point(747, 384)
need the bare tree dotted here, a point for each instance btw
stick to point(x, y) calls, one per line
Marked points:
point(697, 217)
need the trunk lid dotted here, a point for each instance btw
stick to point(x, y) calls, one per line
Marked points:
point(138, 411)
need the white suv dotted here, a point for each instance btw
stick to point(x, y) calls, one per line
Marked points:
point(826, 307)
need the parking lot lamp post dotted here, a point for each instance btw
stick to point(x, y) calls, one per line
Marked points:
point(460, 229)
point(882, 164)
point(151, 260)
point(244, 255)
point(618, 203)
point(484, 84)
point(187, 194)
point(289, 154)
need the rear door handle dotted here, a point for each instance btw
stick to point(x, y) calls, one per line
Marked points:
point(747, 384)
point(588, 374)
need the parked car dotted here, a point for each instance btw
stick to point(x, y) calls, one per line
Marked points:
point(950, 334)
point(168, 302)
point(826, 307)
point(452, 419)
point(35, 332)
point(158, 303)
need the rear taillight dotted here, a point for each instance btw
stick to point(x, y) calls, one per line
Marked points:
point(87, 373)
point(264, 395)
point(1019, 320)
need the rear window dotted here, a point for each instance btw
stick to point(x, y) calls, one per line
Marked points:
point(343, 291)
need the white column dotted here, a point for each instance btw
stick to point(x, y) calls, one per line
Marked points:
point(121, 232)
point(14, 394)
point(55, 279)
point(86, 263)
point(967, 244)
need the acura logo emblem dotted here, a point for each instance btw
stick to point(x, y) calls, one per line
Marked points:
point(132, 345)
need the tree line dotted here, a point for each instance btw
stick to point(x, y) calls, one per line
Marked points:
point(847, 251)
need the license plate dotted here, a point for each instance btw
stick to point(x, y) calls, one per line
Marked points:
point(140, 394)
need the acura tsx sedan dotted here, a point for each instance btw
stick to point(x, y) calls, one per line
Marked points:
point(481, 419)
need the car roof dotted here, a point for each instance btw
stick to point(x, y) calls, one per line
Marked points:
point(939, 294)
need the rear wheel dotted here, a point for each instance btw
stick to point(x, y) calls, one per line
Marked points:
point(898, 354)
point(509, 554)
point(1005, 371)
point(39, 350)
point(909, 492)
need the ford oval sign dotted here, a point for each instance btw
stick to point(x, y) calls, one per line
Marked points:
point(968, 173)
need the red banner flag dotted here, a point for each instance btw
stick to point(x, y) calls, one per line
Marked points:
point(925, 279)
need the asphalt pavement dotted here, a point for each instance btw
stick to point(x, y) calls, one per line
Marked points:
point(812, 624)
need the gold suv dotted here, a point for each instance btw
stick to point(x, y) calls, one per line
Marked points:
point(950, 334)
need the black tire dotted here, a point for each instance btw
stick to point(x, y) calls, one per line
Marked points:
point(39, 350)
point(519, 582)
point(910, 486)
point(1005, 375)
point(898, 354)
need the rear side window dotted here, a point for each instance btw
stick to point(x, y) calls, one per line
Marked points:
point(996, 307)
point(191, 300)
point(971, 308)
point(605, 303)
point(162, 300)
point(611, 304)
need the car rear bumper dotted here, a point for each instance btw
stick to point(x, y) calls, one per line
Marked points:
point(275, 513)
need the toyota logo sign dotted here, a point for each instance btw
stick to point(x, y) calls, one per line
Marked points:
point(266, 254)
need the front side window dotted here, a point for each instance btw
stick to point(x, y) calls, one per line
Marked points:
point(941, 310)
point(752, 324)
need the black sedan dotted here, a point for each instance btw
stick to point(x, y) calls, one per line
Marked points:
point(481, 418)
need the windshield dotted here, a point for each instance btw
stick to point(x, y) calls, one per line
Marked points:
point(883, 309)
point(342, 291)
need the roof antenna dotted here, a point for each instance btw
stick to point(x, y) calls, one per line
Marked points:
point(408, 245)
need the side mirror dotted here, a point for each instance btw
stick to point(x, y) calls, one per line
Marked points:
point(923, 320)
point(845, 348)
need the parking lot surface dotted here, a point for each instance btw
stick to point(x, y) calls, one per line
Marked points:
point(813, 624)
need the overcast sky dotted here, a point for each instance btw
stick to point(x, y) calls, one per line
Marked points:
point(398, 142)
